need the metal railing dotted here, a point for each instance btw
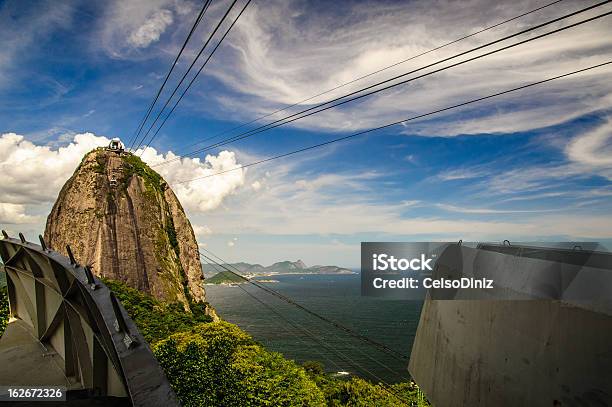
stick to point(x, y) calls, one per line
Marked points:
point(75, 316)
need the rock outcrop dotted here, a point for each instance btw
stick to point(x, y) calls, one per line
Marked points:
point(121, 218)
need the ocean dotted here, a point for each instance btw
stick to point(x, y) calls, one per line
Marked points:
point(302, 337)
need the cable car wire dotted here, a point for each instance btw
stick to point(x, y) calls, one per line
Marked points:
point(193, 28)
point(321, 107)
point(195, 59)
point(351, 136)
point(385, 386)
point(373, 73)
point(338, 325)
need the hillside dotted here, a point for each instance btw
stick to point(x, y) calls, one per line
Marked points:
point(225, 277)
point(121, 218)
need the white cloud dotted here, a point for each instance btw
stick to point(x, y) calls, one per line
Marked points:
point(34, 174)
point(290, 51)
point(151, 30)
point(541, 179)
point(459, 209)
point(202, 230)
point(461, 173)
point(594, 148)
point(589, 155)
point(286, 210)
point(15, 214)
point(295, 204)
point(230, 243)
point(129, 26)
point(256, 185)
point(202, 194)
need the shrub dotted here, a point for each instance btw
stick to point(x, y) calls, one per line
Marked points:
point(219, 364)
point(361, 393)
point(156, 320)
point(4, 309)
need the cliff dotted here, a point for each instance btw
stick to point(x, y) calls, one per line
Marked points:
point(121, 218)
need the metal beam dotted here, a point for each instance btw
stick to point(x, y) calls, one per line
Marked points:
point(91, 331)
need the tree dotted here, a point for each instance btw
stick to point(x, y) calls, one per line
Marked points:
point(218, 364)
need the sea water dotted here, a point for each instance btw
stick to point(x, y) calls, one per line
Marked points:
point(300, 336)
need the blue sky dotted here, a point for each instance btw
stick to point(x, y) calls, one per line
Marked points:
point(534, 165)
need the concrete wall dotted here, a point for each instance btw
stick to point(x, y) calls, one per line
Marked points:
point(512, 353)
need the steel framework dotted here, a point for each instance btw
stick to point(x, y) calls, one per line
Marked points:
point(75, 317)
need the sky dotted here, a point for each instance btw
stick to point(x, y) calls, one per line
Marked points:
point(531, 165)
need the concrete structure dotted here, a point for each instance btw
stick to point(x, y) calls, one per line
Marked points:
point(67, 329)
point(499, 352)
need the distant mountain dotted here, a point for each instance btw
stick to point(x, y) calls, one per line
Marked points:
point(287, 267)
point(224, 277)
point(281, 267)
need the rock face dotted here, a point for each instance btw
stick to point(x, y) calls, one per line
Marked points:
point(121, 218)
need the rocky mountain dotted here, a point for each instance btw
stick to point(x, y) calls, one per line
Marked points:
point(121, 218)
point(281, 267)
point(286, 266)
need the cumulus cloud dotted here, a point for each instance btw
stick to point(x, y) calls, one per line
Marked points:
point(34, 174)
point(202, 230)
point(202, 194)
point(151, 30)
point(256, 185)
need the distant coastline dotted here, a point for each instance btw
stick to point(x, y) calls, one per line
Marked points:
point(248, 271)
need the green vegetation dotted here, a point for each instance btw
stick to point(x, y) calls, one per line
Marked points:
point(224, 277)
point(156, 320)
point(218, 364)
point(4, 305)
point(359, 392)
point(4, 308)
point(171, 232)
point(100, 165)
point(134, 165)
